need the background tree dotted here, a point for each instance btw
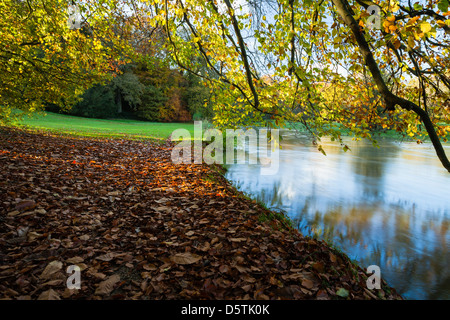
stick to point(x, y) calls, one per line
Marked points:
point(151, 103)
point(127, 88)
point(96, 102)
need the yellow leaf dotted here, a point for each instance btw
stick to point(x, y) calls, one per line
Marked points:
point(411, 42)
point(416, 36)
point(441, 23)
point(425, 27)
point(413, 20)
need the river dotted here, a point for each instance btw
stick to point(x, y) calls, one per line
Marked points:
point(387, 206)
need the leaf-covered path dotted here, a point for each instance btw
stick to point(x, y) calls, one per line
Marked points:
point(140, 227)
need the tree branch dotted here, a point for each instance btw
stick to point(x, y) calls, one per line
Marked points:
point(390, 99)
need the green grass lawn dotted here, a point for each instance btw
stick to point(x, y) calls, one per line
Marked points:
point(114, 128)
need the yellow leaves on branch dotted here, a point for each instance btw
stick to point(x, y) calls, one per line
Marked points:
point(425, 27)
point(391, 19)
point(396, 43)
point(389, 24)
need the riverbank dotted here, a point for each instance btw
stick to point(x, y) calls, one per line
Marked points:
point(140, 227)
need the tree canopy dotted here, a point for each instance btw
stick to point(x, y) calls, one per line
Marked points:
point(320, 63)
point(45, 57)
point(328, 64)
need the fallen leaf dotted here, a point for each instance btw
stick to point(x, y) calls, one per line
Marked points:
point(51, 270)
point(25, 205)
point(75, 260)
point(33, 236)
point(342, 293)
point(49, 295)
point(319, 267)
point(107, 286)
point(307, 283)
point(149, 267)
point(224, 268)
point(107, 257)
point(13, 213)
point(238, 239)
point(322, 295)
point(185, 258)
point(249, 279)
point(53, 283)
point(333, 258)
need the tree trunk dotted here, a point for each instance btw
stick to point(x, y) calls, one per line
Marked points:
point(119, 102)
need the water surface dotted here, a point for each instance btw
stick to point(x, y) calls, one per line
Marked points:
point(388, 206)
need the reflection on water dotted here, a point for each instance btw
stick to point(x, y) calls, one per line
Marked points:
point(388, 206)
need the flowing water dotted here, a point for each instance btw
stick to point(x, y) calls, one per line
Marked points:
point(387, 206)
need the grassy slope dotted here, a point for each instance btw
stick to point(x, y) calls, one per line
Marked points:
point(120, 128)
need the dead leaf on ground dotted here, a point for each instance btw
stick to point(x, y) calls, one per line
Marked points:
point(107, 286)
point(49, 295)
point(51, 270)
point(25, 205)
point(307, 283)
point(185, 258)
point(107, 257)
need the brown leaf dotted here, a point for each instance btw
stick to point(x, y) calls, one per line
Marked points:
point(238, 239)
point(322, 295)
point(307, 283)
point(107, 257)
point(248, 278)
point(33, 236)
point(293, 276)
point(49, 295)
point(318, 266)
point(68, 293)
point(332, 258)
point(51, 270)
point(241, 269)
point(85, 237)
point(13, 213)
point(52, 283)
point(185, 258)
point(247, 287)
point(224, 268)
point(25, 205)
point(75, 260)
point(107, 286)
point(149, 267)
point(206, 247)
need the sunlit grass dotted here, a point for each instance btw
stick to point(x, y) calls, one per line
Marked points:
point(115, 128)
